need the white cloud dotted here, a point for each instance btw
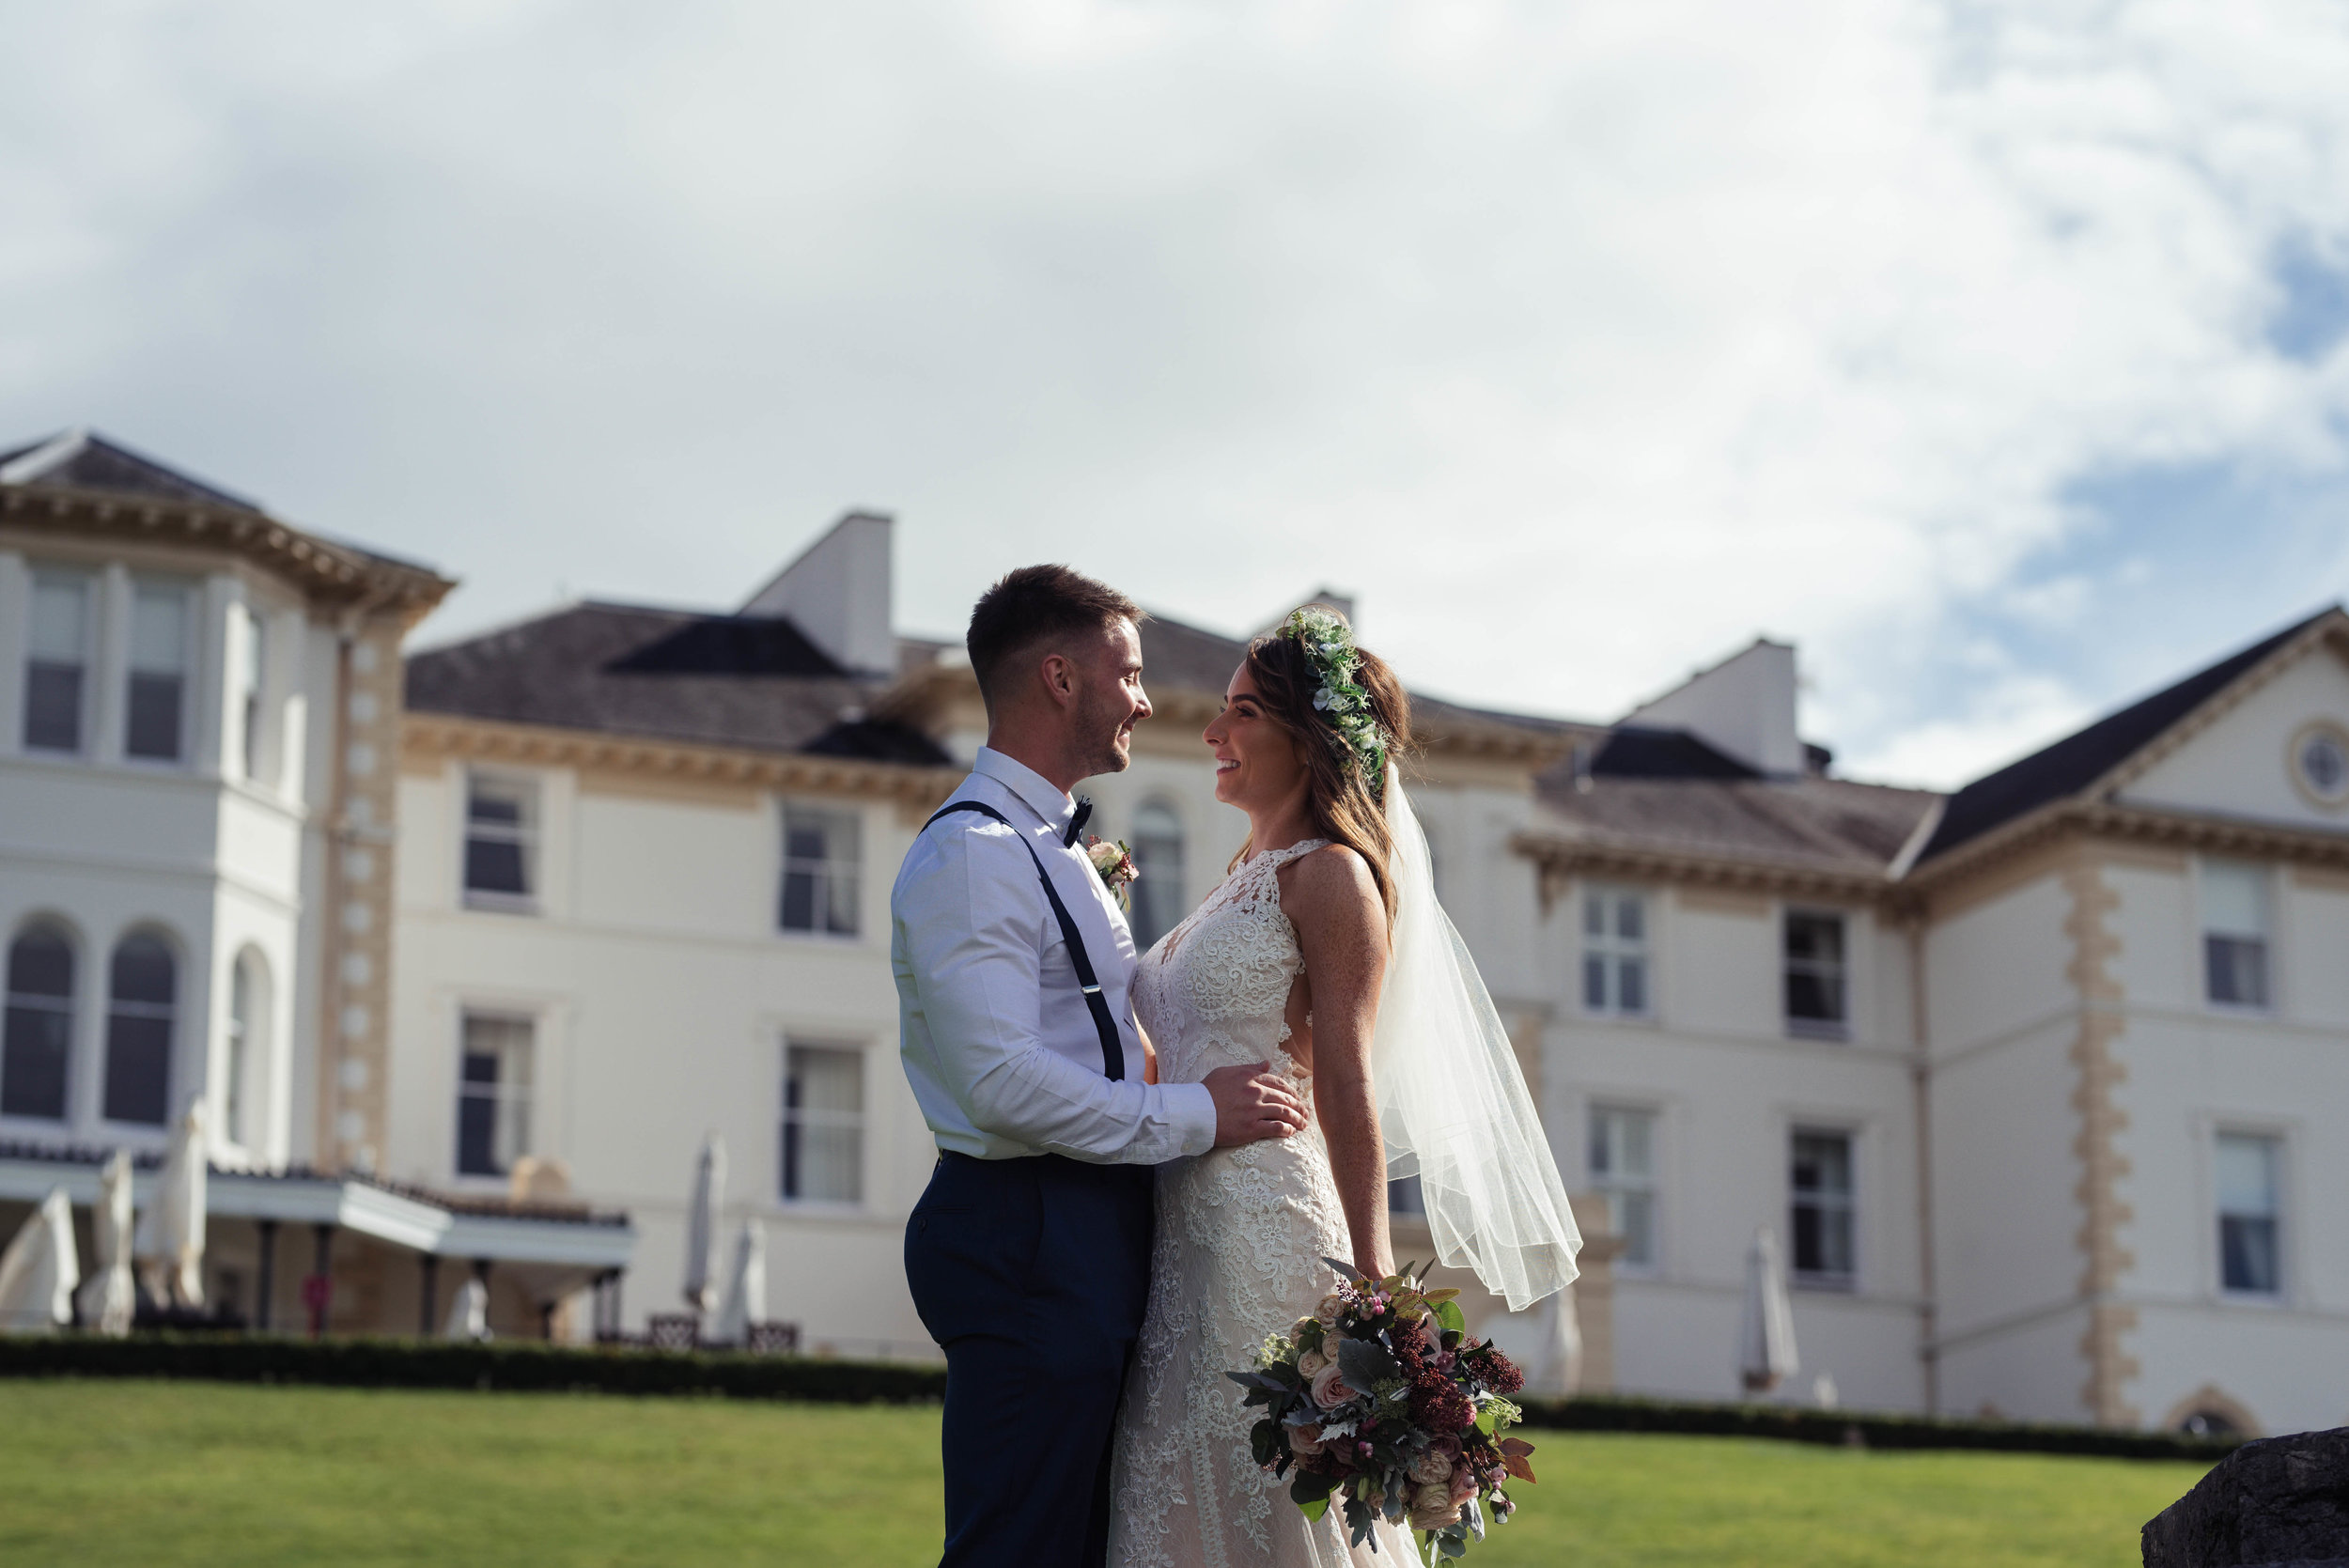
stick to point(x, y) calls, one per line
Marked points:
point(1581, 343)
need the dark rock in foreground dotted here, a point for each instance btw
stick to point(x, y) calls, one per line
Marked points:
point(2282, 1502)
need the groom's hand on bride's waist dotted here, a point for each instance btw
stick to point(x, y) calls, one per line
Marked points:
point(1253, 1103)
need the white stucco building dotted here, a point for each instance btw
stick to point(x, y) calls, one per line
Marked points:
point(199, 725)
point(2038, 1082)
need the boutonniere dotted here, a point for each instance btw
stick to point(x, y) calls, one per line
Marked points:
point(1114, 864)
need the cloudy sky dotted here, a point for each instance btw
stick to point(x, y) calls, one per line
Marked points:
point(1992, 353)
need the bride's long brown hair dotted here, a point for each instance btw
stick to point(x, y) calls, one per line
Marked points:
point(1345, 803)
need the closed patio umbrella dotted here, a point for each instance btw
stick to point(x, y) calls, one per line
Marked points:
point(746, 1287)
point(469, 1314)
point(169, 1242)
point(108, 1297)
point(1766, 1332)
point(701, 1227)
point(39, 1269)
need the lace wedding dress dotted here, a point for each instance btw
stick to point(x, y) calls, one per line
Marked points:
point(1241, 1235)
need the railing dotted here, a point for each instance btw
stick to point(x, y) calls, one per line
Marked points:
point(683, 1331)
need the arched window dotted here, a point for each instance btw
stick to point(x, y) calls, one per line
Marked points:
point(39, 1041)
point(248, 1042)
point(1158, 848)
point(144, 992)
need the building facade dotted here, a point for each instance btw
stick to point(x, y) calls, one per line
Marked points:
point(199, 728)
point(2037, 1082)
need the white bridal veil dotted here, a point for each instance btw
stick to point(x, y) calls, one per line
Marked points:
point(1452, 1103)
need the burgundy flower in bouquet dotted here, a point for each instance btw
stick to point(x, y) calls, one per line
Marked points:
point(1381, 1401)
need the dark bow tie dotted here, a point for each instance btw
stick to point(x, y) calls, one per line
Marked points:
point(1076, 823)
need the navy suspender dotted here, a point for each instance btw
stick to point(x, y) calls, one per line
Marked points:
point(1112, 1047)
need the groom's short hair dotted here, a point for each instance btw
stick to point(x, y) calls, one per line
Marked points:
point(1034, 606)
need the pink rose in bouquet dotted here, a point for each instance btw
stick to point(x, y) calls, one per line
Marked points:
point(1329, 1387)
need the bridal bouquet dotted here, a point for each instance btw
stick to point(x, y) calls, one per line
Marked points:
point(1380, 1401)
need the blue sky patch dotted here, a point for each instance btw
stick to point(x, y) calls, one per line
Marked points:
point(2314, 312)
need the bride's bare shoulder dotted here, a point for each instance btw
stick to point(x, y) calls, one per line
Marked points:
point(1331, 885)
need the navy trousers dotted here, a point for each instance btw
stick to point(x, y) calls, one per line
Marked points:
point(1032, 1274)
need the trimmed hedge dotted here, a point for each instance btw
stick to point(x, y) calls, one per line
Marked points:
point(522, 1366)
point(1864, 1429)
point(386, 1363)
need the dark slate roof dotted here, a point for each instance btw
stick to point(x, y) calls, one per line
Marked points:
point(666, 675)
point(1179, 656)
point(1635, 752)
point(1815, 823)
point(87, 460)
point(2078, 760)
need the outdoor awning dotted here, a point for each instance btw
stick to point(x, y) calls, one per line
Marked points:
point(441, 1225)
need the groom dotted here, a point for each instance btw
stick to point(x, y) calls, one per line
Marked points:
point(1029, 1255)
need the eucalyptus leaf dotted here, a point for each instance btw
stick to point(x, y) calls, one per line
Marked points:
point(1349, 1270)
point(1365, 1363)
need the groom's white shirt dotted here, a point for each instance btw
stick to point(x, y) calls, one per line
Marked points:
point(998, 1042)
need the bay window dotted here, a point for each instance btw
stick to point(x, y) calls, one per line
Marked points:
point(141, 1021)
point(38, 1045)
point(57, 666)
point(156, 709)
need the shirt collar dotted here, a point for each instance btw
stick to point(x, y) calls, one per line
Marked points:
point(1047, 800)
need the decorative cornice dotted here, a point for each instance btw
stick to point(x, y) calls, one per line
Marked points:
point(1561, 857)
point(335, 573)
point(494, 740)
point(2224, 835)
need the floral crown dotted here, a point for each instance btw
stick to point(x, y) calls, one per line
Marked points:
point(1328, 644)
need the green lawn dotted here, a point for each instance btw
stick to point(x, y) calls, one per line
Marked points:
point(103, 1473)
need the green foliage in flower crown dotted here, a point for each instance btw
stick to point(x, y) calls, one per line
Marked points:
point(1328, 642)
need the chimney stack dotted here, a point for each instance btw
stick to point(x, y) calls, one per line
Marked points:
point(1743, 707)
point(839, 593)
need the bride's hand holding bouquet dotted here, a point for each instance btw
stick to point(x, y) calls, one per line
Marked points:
point(1381, 1401)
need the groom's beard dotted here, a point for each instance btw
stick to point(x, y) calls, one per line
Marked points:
point(1107, 756)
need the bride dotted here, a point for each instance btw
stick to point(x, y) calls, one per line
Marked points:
point(1324, 951)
